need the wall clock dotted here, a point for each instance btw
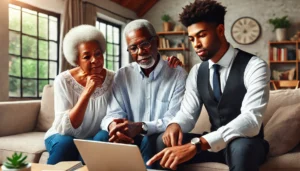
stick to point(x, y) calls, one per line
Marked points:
point(245, 30)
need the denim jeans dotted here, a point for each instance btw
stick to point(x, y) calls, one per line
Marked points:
point(145, 143)
point(62, 148)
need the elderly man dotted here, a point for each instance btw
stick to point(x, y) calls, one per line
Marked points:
point(145, 94)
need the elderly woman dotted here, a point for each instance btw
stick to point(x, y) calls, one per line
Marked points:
point(80, 94)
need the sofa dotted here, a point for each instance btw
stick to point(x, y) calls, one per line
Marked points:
point(24, 123)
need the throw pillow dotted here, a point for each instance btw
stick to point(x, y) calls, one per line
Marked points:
point(46, 115)
point(284, 75)
point(282, 130)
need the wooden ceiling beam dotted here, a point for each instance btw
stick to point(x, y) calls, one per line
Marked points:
point(145, 8)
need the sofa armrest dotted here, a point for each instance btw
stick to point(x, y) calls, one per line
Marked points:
point(18, 116)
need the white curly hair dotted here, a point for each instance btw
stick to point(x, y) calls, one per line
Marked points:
point(138, 24)
point(78, 35)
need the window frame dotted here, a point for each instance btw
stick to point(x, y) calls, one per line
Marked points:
point(21, 78)
point(120, 43)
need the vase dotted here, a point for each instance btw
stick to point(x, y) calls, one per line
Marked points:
point(280, 34)
point(27, 168)
point(167, 26)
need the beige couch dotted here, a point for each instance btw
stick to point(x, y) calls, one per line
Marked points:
point(23, 125)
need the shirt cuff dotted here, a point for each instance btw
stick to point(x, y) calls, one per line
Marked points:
point(215, 141)
point(151, 127)
point(105, 124)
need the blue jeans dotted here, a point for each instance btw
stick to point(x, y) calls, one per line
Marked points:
point(145, 143)
point(62, 148)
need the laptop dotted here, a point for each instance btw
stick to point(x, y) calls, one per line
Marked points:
point(104, 156)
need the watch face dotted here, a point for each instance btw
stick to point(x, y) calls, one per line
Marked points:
point(245, 30)
point(195, 140)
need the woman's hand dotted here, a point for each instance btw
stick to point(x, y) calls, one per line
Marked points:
point(95, 80)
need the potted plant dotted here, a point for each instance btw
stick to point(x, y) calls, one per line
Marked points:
point(16, 163)
point(166, 24)
point(280, 27)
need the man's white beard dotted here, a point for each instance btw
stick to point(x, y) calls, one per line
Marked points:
point(147, 66)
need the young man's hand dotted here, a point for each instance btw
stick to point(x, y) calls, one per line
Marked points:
point(173, 135)
point(173, 156)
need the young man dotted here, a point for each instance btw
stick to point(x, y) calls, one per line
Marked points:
point(233, 87)
point(145, 94)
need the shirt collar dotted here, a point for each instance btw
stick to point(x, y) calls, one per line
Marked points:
point(226, 58)
point(156, 70)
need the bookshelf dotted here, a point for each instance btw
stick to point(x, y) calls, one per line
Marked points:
point(284, 59)
point(174, 43)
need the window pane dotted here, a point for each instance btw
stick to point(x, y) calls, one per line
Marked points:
point(53, 69)
point(29, 22)
point(14, 18)
point(116, 49)
point(116, 66)
point(43, 69)
point(43, 49)
point(109, 49)
point(116, 35)
point(14, 87)
point(110, 65)
point(116, 58)
point(15, 66)
point(29, 67)
point(109, 34)
point(53, 51)
point(103, 29)
point(43, 26)
point(14, 43)
point(29, 47)
point(42, 84)
point(29, 88)
point(51, 82)
point(110, 58)
point(53, 28)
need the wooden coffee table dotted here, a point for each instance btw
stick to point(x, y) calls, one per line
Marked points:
point(41, 167)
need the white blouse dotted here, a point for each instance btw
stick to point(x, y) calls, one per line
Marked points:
point(66, 94)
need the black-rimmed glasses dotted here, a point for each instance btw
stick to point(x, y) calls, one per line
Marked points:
point(133, 49)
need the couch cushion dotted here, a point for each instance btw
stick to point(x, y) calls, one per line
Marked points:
point(279, 98)
point(203, 123)
point(31, 144)
point(282, 130)
point(44, 157)
point(46, 116)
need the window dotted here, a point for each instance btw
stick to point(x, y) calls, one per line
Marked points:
point(33, 49)
point(112, 34)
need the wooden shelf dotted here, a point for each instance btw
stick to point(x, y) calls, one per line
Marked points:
point(178, 49)
point(290, 61)
point(283, 42)
point(172, 33)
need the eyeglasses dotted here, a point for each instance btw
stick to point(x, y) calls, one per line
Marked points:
point(133, 49)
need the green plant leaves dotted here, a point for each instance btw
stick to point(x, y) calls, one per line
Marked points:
point(282, 22)
point(16, 161)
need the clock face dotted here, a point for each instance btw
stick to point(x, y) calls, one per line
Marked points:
point(245, 30)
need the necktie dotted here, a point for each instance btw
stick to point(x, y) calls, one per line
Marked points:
point(216, 82)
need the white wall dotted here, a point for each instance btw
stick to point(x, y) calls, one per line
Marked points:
point(4, 50)
point(261, 10)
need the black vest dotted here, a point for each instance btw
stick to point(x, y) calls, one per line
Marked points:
point(229, 107)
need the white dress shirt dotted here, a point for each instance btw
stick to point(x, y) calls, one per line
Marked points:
point(248, 123)
point(67, 91)
point(154, 100)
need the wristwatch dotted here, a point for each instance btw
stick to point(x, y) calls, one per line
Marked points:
point(144, 128)
point(196, 141)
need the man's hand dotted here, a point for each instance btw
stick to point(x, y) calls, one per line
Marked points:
point(173, 61)
point(122, 130)
point(172, 156)
point(118, 132)
point(173, 135)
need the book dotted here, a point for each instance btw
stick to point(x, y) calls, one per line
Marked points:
point(69, 165)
